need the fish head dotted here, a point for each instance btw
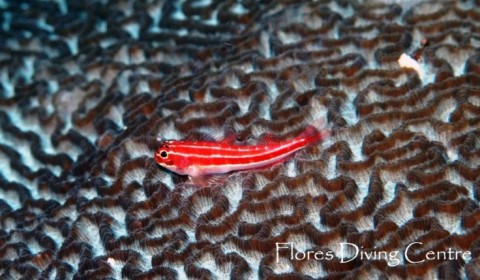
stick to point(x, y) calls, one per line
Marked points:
point(165, 157)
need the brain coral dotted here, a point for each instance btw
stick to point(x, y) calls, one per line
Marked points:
point(88, 88)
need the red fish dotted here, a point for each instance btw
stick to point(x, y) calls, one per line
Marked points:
point(205, 158)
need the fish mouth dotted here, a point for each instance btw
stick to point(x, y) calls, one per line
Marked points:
point(166, 163)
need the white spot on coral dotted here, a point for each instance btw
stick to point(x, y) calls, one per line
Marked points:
point(406, 61)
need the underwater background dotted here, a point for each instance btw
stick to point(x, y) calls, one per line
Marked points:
point(89, 88)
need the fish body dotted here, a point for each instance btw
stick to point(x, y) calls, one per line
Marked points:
point(204, 158)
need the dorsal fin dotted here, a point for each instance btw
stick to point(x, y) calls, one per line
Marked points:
point(269, 139)
point(230, 138)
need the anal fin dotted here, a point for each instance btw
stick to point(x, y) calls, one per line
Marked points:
point(211, 180)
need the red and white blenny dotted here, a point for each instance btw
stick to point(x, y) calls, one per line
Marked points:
point(204, 158)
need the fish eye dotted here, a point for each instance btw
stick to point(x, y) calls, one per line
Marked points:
point(163, 154)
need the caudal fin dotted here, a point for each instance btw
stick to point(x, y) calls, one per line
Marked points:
point(316, 131)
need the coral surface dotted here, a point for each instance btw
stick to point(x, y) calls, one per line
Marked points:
point(89, 88)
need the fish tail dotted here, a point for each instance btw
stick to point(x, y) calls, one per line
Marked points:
point(316, 131)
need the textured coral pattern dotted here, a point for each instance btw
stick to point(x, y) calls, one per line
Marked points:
point(88, 89)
